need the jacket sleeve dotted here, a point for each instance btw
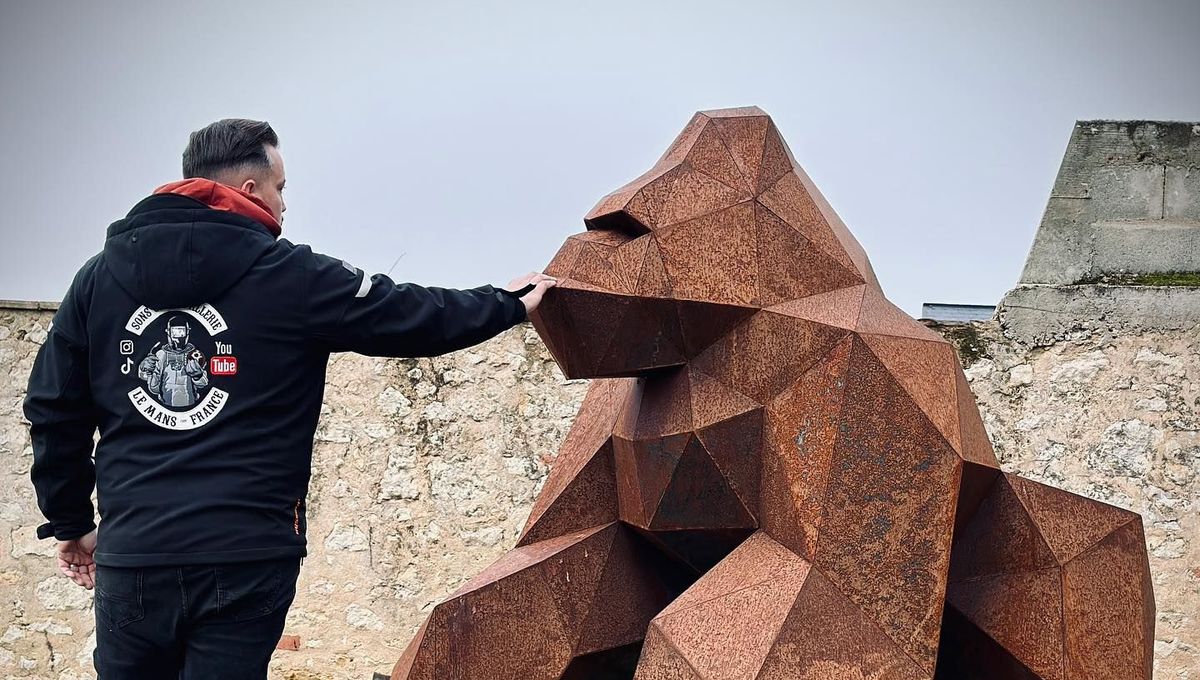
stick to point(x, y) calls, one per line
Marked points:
point(349, 311)
point(58, 405)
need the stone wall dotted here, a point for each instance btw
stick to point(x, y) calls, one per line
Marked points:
point(424, 471)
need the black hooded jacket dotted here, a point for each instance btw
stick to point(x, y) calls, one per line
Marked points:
point(196, 343)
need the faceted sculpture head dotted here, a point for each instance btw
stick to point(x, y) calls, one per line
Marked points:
point(723, 226)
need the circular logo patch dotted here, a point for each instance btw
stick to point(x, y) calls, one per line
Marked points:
point(174, 354)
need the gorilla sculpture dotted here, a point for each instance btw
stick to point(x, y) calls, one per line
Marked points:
point(776, 473)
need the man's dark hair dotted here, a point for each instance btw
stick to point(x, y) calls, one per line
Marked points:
point(228, 144)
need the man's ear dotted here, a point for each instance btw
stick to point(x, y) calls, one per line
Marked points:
point(248, 186)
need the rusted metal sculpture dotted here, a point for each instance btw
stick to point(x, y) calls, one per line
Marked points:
point(776, 473)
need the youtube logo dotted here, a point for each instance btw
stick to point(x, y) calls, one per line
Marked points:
point(223, 365)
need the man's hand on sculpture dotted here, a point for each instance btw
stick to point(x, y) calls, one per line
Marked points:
point(75, 559)
point(533, 298)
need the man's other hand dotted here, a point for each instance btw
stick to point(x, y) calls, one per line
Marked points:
point(75, 559)
point(533, 298)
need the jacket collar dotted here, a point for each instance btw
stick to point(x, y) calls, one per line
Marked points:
point(223, 197)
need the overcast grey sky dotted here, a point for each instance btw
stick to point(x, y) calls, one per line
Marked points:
point(471, 137)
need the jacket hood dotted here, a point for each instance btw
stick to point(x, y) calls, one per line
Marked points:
point(176, 251)
point(224, 197)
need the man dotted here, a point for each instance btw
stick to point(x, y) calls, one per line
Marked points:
point(205, 446)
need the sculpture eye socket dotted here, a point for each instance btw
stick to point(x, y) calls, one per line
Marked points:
point(620, 222)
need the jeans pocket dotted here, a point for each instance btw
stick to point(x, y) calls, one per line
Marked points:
point(119, 596)
point(248, 590)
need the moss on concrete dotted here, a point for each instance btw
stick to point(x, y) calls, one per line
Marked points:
point(1181, 279)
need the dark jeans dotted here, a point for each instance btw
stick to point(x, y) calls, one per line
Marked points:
point(191, 623)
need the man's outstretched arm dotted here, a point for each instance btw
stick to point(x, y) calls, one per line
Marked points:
point(351, 311)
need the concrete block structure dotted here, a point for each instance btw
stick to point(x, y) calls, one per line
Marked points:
point(1119, 244)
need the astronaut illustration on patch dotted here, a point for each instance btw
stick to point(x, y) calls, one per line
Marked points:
point(175, 371)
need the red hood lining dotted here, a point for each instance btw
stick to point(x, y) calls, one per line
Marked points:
point(224, 197)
